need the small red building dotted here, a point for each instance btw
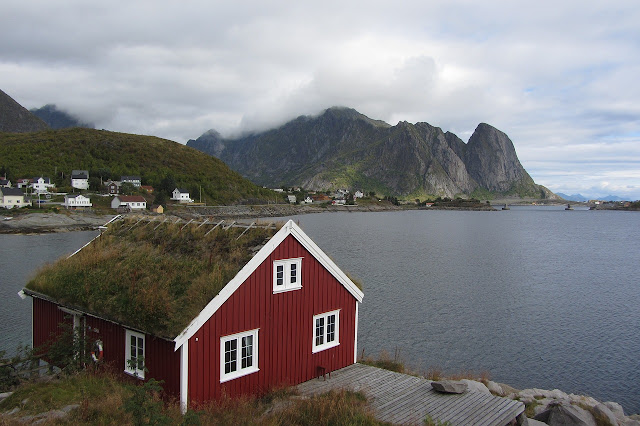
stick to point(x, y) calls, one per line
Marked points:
point(287, 315)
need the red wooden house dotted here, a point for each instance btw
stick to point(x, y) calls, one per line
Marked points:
point(285, 316)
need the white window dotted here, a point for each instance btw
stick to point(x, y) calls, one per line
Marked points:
point(134, 354)
point(326, 329)
point(287, 275)
point(238, 355)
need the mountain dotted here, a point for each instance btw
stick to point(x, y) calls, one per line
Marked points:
point(161, 163)
point(342, 148)
point(58, 119)
point(583, 198)
point(14, 118)
point(573, 197)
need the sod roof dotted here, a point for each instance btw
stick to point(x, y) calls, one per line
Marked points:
point(150, 276)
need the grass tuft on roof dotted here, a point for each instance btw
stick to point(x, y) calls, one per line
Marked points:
point(153, 280)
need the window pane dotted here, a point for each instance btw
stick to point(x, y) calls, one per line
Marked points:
point(279, 274)
point(230, 354)
point(247, 351)
point(319, 331)
point(331, 328)
point(294, 273)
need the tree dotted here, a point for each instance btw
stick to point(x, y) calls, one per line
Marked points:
point(160, 199)
point(127, 188)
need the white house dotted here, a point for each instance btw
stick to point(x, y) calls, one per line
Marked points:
point(134, 180)
point(358, 194)
point(308, 200)
point(5, 183)
point(292, 199)
point(11, 197)
point(80, 179)
point(181, 195)
point(76, 201)
point(24, 183)
point(41, 185)
point(133, 202)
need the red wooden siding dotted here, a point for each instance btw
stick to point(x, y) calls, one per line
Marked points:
point(161, 360)
point(285, 322)
point(47, 319)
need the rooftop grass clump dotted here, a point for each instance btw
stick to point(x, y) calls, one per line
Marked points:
point(156, 280)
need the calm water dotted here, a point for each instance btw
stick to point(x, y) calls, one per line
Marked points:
point(539, 297)
point(20, 256)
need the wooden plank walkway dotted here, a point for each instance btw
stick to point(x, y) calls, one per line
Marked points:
point(403, 399)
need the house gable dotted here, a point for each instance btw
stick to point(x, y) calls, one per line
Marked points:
point(289, 229)
point(284, 324)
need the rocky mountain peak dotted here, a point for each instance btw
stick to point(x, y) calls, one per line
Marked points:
point(15, 118)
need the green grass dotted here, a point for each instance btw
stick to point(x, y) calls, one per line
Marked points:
point(164, 278)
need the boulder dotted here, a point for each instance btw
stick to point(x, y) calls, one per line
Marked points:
point(474, 386)
point(495, 388)
point(449, 386)
point(604, 412)
point(566, 415)
point(616, 409)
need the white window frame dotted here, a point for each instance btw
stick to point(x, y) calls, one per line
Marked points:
point(137, 371)
point(239, 371)
point(321, 332)
point(287, 284)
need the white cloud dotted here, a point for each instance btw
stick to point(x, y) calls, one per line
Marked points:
point(559, 78)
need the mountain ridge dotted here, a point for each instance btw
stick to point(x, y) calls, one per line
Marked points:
point(14, 118)
point(59, 119)
point(343, 148)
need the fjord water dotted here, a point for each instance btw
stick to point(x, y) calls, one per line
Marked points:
point(20, 257)
point(537, 296)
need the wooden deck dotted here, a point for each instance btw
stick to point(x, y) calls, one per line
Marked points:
point(403, 399)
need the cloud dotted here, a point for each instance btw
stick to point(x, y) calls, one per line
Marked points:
point(559, 79)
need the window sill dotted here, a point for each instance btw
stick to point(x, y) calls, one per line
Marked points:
point(324, 347)
point(134, 374)
point(284, 290)
point(237, 374)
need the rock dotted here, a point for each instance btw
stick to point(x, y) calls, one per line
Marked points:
point(603, 411)
point(495, 388)
point(474, 386)
point(12, 412)
point(449, 386)
point(5, 395)
point(616, 409)
point(533, 422)
point(630, 422)
point(566, 415)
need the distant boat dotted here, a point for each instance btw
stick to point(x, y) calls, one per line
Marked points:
point(568, 207)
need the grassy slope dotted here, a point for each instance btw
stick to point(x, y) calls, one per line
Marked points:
point(51, 153)
point(103, 399)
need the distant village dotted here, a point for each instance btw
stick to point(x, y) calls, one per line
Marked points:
point(128, 194)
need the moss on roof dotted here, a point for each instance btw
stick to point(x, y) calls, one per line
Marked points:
point(153, 280)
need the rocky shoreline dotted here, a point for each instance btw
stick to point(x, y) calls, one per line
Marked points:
point(65, 221)
point(555, 407)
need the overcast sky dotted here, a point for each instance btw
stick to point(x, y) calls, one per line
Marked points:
point(560, 78)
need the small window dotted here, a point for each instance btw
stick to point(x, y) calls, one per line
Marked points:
point(286, 275)
point(134, 354)
point(326, 331)
point(239, 355)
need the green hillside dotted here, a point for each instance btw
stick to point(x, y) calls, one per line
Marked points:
point(161, 163)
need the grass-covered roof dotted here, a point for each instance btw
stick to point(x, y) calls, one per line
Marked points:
point(152, 277)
